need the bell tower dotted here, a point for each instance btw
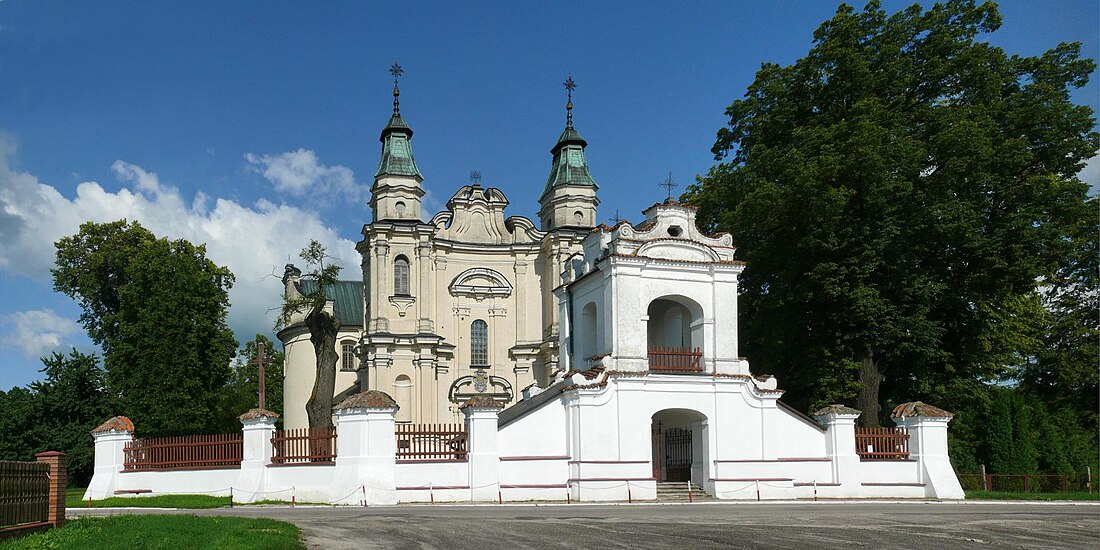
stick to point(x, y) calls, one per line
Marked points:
point(396, 192)
point(569, 198)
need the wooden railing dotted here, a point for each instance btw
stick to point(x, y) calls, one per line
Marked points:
point(431, 442)
point(304, 445)
point(24, 493)
point(189, 452)
point(882, 443)
point(673, 359)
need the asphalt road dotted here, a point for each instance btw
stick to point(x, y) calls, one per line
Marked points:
point(924, 525)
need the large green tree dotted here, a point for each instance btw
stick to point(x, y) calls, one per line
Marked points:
point(898, 193)
point(158, 309)
point(57, 412)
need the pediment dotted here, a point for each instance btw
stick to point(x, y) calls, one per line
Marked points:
point(480, 282)
point(680, 250)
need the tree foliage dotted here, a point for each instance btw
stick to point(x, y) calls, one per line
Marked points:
point(57, 413)
point(310, 306)
point(898, 194)
point(158, 310)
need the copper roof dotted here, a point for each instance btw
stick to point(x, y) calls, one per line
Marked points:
point(257, 413)
point(370, 399)
point(917, 408)
point(116, 424)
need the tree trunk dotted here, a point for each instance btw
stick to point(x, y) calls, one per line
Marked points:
point(323, 328)
point(869, 380)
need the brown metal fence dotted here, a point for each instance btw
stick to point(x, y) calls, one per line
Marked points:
point(304, 445)
point(24, 493)
point(671, 359)
point(189, 452)
point(431, 442)
point(1029, 483)
point(882, 443)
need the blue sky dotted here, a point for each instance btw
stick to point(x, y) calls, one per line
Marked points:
point(210, 121)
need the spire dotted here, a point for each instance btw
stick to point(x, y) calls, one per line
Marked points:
point(397, 156)
point(569, 166)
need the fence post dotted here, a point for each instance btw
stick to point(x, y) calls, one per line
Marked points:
point(111, 438)
point(258, 426)
point(927, 427)
point(59, 479)
point(1088, 480)
point(366, 448)
point(1027, 483)
point(481, 440)
point(985, 480)
point(840, 446)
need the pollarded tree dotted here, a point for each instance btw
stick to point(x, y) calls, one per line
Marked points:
point(158, 309)
point(309, 306)
point(897, 193)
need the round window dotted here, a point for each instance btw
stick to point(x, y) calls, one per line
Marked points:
point(578, 216)
point(399, 207)
point(675, 230)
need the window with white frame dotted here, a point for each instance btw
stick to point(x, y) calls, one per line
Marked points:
point(401, 276)
point(479, 344)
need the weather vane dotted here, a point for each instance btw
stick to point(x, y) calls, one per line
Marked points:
point(396, 71)
point(569, 85)
point(475, 177)
point(668, 184)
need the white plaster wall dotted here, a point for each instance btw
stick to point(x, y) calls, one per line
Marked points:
point(304, 483)
point(215, 482)
point(427, 480)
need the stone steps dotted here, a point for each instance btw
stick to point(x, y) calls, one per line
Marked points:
point(677, 491)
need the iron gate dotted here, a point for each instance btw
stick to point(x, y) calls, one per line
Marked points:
point(671, 453)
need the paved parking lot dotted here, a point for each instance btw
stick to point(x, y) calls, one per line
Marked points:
point(925, 525)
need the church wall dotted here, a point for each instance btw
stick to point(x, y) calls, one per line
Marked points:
point(299, 373)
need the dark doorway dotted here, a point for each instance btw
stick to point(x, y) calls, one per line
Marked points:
point(672, 454)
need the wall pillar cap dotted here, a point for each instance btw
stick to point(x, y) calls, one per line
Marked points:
point(48, 454)
point(482, 402)
point(258, 413)
point(833, 412)
point(370, 399)
point(915, 409)
point(115, 424)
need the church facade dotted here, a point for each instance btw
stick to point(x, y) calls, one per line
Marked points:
point(458, 305)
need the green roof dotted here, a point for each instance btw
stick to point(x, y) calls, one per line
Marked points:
point(397, 155)
point(348, 296)
point(569, 167)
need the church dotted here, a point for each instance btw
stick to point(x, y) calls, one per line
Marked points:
point(486, 359)
point(458, 305)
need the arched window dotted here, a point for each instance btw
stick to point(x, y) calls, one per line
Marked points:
point(347, 355)
point(401, 276)
point(402, 394)
point(479, 344)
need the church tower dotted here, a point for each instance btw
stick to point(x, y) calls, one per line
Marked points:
point(569, 198)
point(396, 192)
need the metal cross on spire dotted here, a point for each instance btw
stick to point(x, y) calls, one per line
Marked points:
point(569, 85)
point(261, 361)
point(396, 71)
point(669, 185)
point(475, 177)
point(616, 220)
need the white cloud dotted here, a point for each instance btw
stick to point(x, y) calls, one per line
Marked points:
point(1090, 174)
point(254, 241)
point(297, 173)
point(36, 332)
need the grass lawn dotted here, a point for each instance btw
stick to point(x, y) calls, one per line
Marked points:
point(72, 500)
point(169, 532)
point(998, 495)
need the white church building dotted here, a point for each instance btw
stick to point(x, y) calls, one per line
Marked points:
point(624, 340)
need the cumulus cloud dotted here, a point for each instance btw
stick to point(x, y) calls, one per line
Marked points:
point(254, 241)
point(298, 172)
point(1090, 174)
point(36, 332)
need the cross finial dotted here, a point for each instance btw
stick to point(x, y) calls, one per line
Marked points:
point(396, 71)
point(261, 361)
point(616, 220)
point(475, 177)
point(669, 185)
point(569, 85)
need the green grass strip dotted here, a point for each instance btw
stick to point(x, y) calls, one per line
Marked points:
point(1003, 495)
point(73, 500)
point(150, 532)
